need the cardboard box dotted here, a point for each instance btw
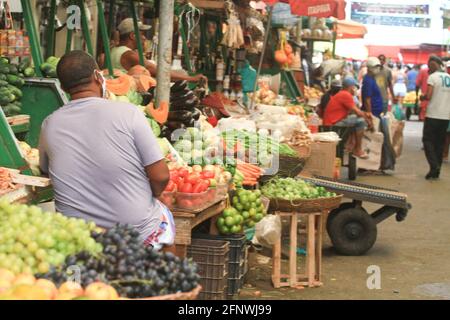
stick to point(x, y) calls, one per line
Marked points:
point(322, 159)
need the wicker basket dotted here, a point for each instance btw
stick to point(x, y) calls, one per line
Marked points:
point(191, 295)
point(305, 205)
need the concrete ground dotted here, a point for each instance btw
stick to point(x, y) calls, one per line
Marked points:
point(413, 255)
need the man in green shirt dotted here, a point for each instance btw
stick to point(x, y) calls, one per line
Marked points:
point(125, 56)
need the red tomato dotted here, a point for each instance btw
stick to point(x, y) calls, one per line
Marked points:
point(198, 187)
point(184, 203)
point(193, 178)
point(207, 183)
point(204, 186)
point(183, 172)
point(207, 174)
point(174, 175)
point(179, 182)
point(170, 186)
point(186, 188)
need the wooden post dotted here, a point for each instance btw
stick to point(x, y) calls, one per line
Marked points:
point(276, 262)
point(293, 251)
point(311, 250)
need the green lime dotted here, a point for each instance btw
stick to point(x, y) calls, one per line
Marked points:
point(257, 193)
point(253, 205)
point(258, 201)
point(245, 214)
point(220, 222)
point(224, 230)
point(243, 199)
point(235, 200)
point(227, 213)
point(235, 229)
point(252, 212)
point(229, 221)
point(252, 197)
point(258, 217)
point(251, 224)
point(239, 207)
point(238, 219)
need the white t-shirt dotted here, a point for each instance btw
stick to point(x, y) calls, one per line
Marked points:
point(439, 105)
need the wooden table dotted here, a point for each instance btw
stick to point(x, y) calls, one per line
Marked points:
point(186, 221)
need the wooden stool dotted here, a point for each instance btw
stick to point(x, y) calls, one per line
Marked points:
point(312, 277)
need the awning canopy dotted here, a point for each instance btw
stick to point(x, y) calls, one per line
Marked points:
point(409, 54)
point(347, 29)
point(315, 8)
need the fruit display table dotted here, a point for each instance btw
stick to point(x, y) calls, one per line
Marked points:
point(186, 221)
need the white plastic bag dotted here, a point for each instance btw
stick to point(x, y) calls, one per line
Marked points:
point(268, 230)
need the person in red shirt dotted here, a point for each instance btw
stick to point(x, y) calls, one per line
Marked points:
point(422, 85)
point(342, 111)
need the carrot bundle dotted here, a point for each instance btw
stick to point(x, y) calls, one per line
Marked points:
point(251, 173)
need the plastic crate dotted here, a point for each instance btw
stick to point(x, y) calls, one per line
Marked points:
point(237, 244)
point(234, 285)
point(211, 257)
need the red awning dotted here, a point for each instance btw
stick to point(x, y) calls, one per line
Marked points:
point(347, 29)
point(315, 8)
point(410, 54)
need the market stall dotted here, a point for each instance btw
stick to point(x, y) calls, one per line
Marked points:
point(234, 150)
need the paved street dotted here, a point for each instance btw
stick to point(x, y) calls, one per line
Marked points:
point(414, 255)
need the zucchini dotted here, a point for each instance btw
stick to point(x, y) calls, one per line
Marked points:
point(24, 64)
point(13, 69)
point(4, 69)
point(4, 83)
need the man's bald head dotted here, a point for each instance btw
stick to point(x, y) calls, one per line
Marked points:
point(76, 69)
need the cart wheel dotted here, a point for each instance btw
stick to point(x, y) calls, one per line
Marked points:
point(352, 232)
point(408, 113)
point(333, 213)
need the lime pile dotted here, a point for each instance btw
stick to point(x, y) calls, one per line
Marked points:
point(247, 209)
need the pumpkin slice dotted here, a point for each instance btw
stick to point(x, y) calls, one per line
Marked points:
point(144, 82)
point(120, 85)
point(138, 70)
point(161, 114)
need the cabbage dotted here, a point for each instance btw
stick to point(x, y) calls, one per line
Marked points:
point(135, 97)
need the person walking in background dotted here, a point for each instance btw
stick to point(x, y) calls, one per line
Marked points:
point(372, 98)
point(412, 78)
point(437, 116)
point(421, 85)
point(400, 81)
point(384, 82)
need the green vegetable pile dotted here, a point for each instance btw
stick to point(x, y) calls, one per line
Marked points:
point(197, 147)
point(11, 80)
point(292, 189)
point(251, 141)
point(48, 68)
point(247, 210)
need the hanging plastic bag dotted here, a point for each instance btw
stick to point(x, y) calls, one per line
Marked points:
point(268, 231)
point(398, 112)
point(388, 157)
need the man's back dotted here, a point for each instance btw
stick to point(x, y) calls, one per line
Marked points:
point(439, 106)
point(98, 150)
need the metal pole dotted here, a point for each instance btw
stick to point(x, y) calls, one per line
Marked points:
point(105, 38)
point(69, 40)
point(34, 40)
point(137, 33)
point(266, 39)
point(50, 50)
point(85, 27)
point(164, 51)
point(110, 17)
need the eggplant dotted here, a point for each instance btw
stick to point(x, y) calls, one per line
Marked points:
point(181, 115)
point(183, 104)
point(179, 86)
point(146, 98)
point(174, 125)
point(184, 97)
point(189, 123)
point(196, 114)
